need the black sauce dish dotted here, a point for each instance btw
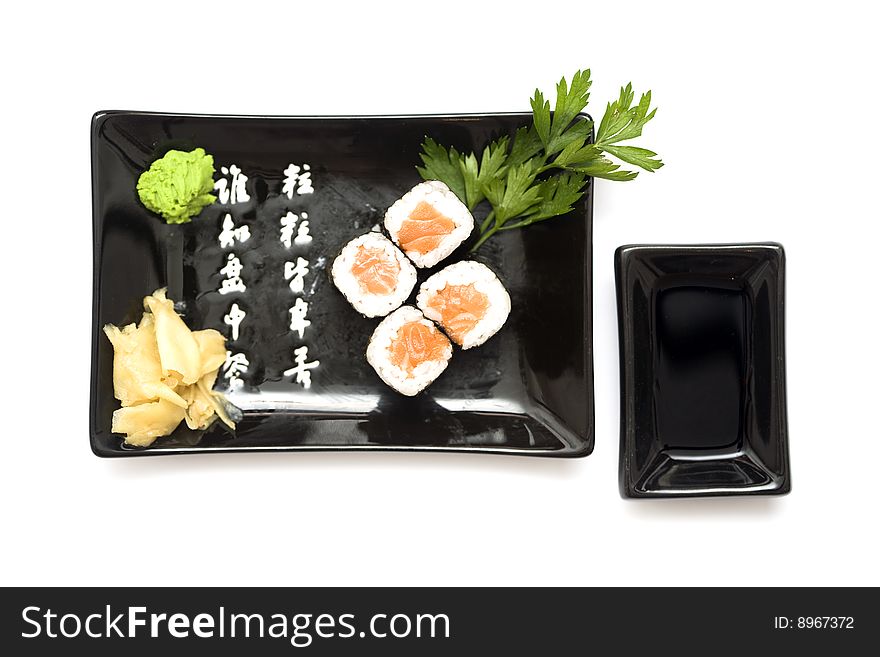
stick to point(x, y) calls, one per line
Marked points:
point(702, 370)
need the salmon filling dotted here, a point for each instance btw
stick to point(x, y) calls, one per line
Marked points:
point(460, 308)
point(375, 271)
point(424, 229)
point(416, 344)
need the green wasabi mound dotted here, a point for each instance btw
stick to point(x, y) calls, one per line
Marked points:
point(178, 186)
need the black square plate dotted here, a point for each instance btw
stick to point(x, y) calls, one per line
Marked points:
point(702, 370)
point(528, 390)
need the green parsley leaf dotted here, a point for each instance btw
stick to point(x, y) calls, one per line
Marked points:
point(514, 194)
point(492, 165)
point(443, 165)
point(577, 152)
point(526, 145)
point(602, 167)
point(541, 117)
point(640, 157)
point(470, 172)
point(557, 197)
point(580, 133)
point(621, 120)
point(570, 101)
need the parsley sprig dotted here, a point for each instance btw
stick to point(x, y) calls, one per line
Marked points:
point(543, 171)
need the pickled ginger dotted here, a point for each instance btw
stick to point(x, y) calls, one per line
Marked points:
point(163, 373)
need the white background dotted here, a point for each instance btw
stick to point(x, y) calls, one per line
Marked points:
point(767, 123)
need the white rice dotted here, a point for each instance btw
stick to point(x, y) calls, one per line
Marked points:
point(379, 354)
point(446, 203)
point(484, 280)
point(366, 303)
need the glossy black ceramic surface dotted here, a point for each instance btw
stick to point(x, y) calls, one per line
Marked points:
point(702, 370)
point(528, 390)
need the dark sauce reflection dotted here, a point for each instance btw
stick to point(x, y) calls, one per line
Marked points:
point(700, 367)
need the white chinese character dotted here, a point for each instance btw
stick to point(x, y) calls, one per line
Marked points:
point(233, 319)
point(296, 273)
point(288, 223)
point(297, 180)
point(301, 369)
point(232, 271)
point(233, 368)
point(298, 320)
point(236, 192)
point(230, 233)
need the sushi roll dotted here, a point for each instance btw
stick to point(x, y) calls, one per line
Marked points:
point(467, 300)
point(373, 274)
point(408, 351)
point(428, 223)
